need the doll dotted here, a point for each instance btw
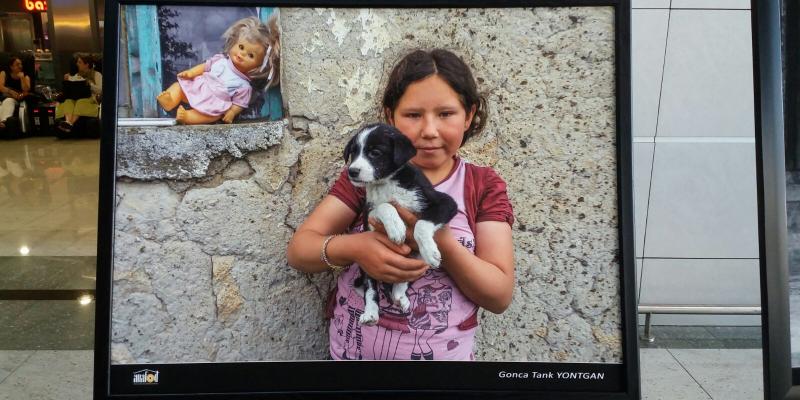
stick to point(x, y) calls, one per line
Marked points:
point(220, 88)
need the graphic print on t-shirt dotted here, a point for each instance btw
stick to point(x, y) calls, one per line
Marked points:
point(395, 322)
point(430, 308)
point(354, 303)
point(431, 302)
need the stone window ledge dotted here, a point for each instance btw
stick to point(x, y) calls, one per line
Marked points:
point(185, 152)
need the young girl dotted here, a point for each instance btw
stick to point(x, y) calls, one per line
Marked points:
point(220, 87)
point(431, 97)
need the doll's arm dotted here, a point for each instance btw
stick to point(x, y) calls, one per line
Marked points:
point(193, 72)
point(231, 113)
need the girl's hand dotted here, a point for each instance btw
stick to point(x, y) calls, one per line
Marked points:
point(408, 218)
point(386, 261)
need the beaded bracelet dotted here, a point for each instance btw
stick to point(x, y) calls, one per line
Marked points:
point(324, 255)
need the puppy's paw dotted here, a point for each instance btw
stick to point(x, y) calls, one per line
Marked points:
point(396, 231)
point(398, 296)
point(403, 303)
point(431, 256)
point(368, 318)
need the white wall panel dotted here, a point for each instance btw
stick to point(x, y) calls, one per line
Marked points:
point(694, 282)
point(649, 4)
point(648, 41)
point(642, 166)
point(708, 77)
point(723, 4)
point(639, 263)
point(703, 201)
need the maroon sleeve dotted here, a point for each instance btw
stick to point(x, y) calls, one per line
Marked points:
point(493, 203)
point(350, 195)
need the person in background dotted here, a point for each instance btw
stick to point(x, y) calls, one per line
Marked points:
point(14, 86)
point(72, 110)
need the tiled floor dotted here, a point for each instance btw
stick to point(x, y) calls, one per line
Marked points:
point(702, 362)
point(48, 198)
point(701, 374)
point(46, 374)
point(48, 240)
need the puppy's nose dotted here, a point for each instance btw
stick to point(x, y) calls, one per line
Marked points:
point(353, 172)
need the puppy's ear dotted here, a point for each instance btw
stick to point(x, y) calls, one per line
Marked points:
point(348, 149)
point(404, 150)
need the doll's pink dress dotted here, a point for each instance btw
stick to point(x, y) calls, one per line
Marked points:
point(220, 86)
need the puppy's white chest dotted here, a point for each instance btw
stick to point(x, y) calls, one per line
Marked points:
point(390, 191)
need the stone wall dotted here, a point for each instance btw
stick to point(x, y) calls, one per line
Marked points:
point(204, 213)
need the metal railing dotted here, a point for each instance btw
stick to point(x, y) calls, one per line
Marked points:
point(649, 309)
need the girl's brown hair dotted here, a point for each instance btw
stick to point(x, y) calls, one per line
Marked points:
point(421, 64)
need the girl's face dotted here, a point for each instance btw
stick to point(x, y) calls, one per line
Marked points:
point(246, 55)
point(430, 113)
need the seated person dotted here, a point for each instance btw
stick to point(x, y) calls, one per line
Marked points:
point(71, 109)
point(14, 85)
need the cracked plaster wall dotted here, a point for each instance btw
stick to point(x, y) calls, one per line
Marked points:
point(204, 213)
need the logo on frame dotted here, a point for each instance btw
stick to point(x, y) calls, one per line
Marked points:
point(145, 377)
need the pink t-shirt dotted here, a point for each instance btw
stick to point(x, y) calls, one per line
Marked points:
point(441, 322)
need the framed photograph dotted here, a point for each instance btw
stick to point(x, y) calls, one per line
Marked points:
point(232, 256)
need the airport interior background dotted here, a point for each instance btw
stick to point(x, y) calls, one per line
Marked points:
point(693, 129)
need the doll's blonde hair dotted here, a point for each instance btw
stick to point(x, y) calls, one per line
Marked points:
point(267, 34)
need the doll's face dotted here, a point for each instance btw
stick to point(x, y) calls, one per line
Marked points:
point(246, 55)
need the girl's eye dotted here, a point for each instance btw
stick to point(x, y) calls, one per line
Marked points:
point(446, 113)
point(412, 115)
point(241, 47)
point(250, 55)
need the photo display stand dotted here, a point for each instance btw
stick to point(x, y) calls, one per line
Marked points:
point(195, 297)
point(776, 103)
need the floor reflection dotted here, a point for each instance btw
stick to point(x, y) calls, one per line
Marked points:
point(48, 194)
point(48, 243)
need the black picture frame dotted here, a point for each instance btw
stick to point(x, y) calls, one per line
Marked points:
point(312, 379)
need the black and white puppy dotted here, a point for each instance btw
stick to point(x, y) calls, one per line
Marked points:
point(378, 157)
